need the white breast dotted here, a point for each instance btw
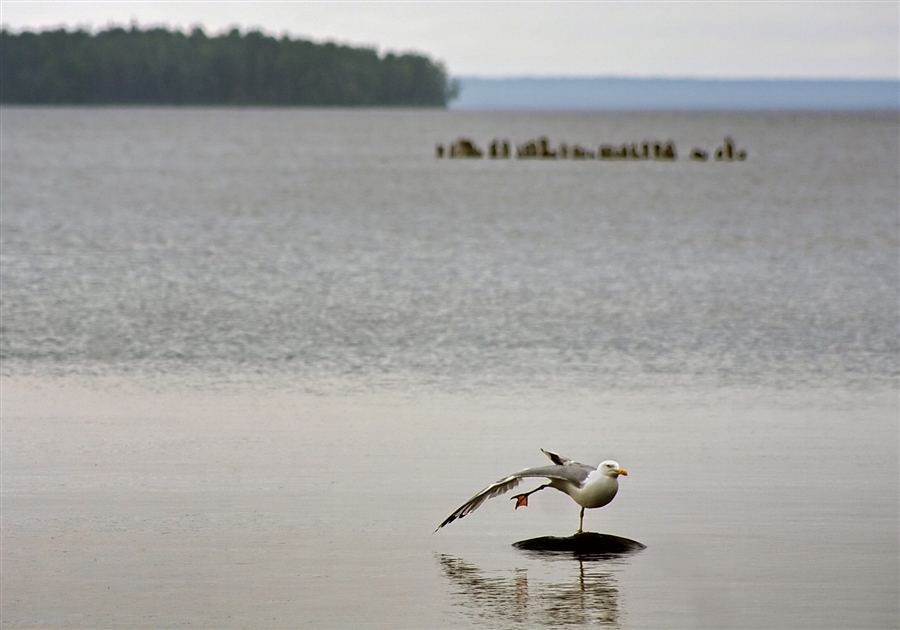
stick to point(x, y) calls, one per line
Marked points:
point(597, 491)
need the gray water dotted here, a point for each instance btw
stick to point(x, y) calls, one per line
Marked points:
point(251, 358)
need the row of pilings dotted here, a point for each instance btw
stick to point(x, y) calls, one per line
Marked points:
point(542, 149)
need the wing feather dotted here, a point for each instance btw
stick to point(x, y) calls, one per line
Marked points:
point(557, 459)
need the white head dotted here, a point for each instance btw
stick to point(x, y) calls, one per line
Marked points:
point(612, 469)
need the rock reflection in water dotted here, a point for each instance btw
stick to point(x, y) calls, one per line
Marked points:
point(590, 596)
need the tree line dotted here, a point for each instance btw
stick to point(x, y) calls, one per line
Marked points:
point(165, 67)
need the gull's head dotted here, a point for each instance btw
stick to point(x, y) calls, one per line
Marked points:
point(612, 469)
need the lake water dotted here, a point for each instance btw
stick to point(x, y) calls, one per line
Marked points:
point(251, 358)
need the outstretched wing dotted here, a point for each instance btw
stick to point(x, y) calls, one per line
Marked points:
point(571, 472)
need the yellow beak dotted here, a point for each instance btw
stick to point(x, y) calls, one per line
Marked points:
point(621, 471)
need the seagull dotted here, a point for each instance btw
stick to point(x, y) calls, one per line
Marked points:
point(589, 487)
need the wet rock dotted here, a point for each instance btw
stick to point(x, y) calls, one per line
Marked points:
point(699, 155)
point(729, 152)
point(465, 148)
point(584, 544)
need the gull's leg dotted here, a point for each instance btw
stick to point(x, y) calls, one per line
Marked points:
point(522, 499)
point(581, 522)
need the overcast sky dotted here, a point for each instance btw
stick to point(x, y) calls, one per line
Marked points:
point(817, 39)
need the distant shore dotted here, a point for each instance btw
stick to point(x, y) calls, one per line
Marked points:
point(158, 66)
point(598, 93)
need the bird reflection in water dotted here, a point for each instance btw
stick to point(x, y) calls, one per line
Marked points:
point(589, 598)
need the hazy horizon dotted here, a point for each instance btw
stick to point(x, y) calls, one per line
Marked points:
point(658, 94)
point(816, 40)
point(484, 76)
point(640, 77)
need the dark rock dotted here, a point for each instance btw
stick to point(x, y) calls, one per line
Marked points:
point(699, 155)
point(465, 148)
point(590, 544)
point(729, 152)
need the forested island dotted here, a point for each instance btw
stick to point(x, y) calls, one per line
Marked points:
point(159, 66)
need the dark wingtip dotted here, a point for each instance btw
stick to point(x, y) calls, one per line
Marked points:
point(556, 459)
point(447, 521)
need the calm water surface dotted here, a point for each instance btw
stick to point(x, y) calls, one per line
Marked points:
point(251, 358)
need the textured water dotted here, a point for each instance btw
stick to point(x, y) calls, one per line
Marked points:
point(332, 244)
point(252, 357)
